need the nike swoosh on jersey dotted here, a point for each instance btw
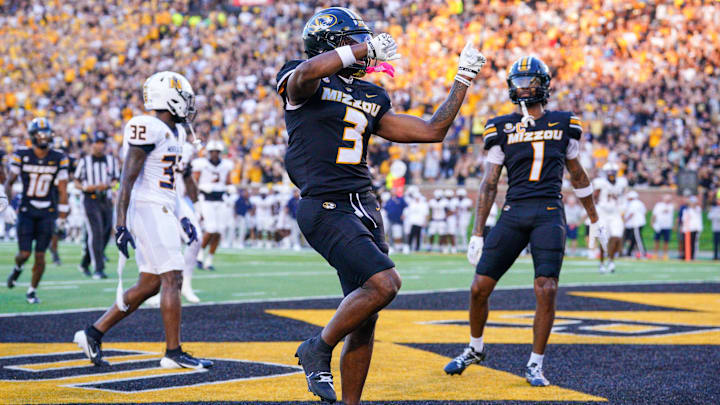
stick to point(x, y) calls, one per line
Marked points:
point(371, 95)
point(551, 208)
point(552, 124)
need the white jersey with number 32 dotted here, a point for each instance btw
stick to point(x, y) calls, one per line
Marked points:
point(156, 182)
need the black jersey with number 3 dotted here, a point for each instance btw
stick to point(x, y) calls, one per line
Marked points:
point(329, 133)
point(38, 176)
point(534, 156)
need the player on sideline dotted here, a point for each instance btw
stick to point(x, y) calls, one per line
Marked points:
point(212, 174)
point(42, 170)
point(535, 146)
point(148, 211)
point(330, 115)
point(610, 195)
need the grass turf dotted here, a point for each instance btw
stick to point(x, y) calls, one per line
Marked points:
point(258, 275)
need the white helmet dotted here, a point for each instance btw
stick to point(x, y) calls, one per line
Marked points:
point(449, 193)
point(172, 92)
point(215, 145)
point(462, 193)
point(633, 195)
point(413, 190)
point(438, 193)
point(610, 167)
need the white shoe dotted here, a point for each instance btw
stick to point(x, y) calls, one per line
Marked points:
point(190, 295)
point(602, 268)
point(611, 267)
point(153, 301)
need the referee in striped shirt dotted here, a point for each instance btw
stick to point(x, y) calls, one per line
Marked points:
point(95, 175)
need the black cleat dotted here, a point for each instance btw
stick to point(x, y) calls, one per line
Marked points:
point(91, 347)
point(85, 271)
point(32, 298)
point(99, 275)
point(199, 265)
point(316, 366)
point(184, 360)
point(56, 259)
point(210, 268)
point(12, 278)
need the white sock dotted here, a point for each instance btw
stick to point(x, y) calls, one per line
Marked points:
point(537, 359)
point(30, 289)
point(476, 343)
point(208, 260)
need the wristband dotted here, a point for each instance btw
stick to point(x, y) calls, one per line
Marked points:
point(462, 80)
point(346, 55)
point(584, 192)
point(63, 208)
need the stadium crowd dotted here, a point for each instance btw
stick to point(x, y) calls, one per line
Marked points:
point(636, 72)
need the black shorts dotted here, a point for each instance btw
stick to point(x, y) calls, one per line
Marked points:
point(348, 234)
point(540, 222)
point(35, 225)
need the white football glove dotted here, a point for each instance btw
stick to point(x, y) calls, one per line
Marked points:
point(474, 250)
point(599, 233)
point(471, 61)
point(383, 48)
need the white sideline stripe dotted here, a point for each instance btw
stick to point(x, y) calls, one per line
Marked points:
point(418, 270)
point(322, 297)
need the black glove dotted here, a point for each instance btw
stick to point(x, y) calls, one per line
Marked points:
point(189, 229)
point(122, 237)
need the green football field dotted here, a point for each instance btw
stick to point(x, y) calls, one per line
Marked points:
point(259, 275)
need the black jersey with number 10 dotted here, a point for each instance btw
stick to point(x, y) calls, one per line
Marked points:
point(329, 133)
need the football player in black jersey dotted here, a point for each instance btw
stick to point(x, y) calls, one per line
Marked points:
point(330, 114)
point(535, 146)
point(41, 170)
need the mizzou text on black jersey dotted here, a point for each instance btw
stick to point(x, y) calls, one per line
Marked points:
point(329, 133)
point(534, 156)
point(38, 206)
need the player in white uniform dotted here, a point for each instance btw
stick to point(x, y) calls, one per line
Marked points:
point(452, 221)
point(609, 193)
point(438, 216)
point(464, 213)
point(148, 212)
point(212, 176)
point(264, 218)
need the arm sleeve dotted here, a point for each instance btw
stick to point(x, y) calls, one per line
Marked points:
point(575, 127)
point(491, 136)
point(573, 149)
point(283, 75)
point(142, 131)
point(495, 155)
point(64, 168)
point(15, 163)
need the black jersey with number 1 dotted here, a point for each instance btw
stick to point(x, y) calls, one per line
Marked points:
point(329, 133)
point(534, 156)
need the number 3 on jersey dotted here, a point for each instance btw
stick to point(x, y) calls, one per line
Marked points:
point(352, 156)
point(169, 171)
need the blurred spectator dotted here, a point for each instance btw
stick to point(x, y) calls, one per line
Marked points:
point(662, 223)
point(714, 216)
point(634, 224)
point(573, 217)
point(692, 225)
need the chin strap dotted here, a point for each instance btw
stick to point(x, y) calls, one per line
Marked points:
point(195, 140)
point(527, 118)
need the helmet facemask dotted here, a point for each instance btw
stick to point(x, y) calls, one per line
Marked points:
point(529, 88)
point(41, 139)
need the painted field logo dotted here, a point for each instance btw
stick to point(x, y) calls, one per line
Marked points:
point(131, 371)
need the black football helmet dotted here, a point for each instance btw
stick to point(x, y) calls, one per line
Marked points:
point(529, 72)
point(40, 131)
point(335, 27)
